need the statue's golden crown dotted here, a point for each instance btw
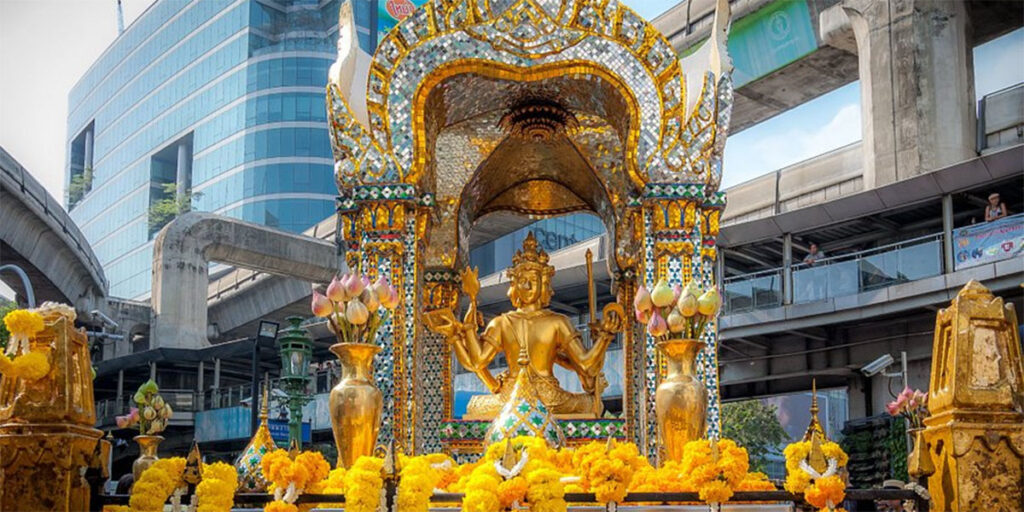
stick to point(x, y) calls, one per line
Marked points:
point(530, 253)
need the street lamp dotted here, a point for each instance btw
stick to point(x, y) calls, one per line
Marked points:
point(296, 352)
point(267, 331)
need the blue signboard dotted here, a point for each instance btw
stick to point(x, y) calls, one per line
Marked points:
point(279, 431)
point(989, 242)
point(768, 39)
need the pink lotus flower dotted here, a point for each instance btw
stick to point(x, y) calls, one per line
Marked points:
point(662, 294)
point(356, 312)
point(353, 285)
point(381, 288)
point(656, 326)
point(369, 298)
point(642, 316)
point(336, 291)
point(642, 302)
point(129, 419)
point(392, 300)
point(893, 408)
point(321, 306)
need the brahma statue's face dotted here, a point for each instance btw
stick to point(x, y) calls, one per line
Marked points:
point(528, 286)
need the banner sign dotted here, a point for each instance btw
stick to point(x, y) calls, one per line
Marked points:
point(390, 12)
point(989, 242)
point(279, 431)
point(770, 38)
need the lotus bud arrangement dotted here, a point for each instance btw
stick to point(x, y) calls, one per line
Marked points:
point(355, 307)
point(151, 415)
point(676, 312)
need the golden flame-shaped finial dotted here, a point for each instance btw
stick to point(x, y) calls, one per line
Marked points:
point(815, 434)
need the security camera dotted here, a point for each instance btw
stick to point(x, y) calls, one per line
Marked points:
point(877, 366)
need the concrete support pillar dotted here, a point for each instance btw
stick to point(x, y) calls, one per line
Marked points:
point(947, 233)
point(787, 268)
point(182, 253)
point(87, 161)
point(216, 384)
point(200, 385)
point(917, 86)
point(184, 170)
point(120, 390)
point(152, 371)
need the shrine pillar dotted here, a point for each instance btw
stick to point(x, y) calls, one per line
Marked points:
point(975, 433)
point(381, 229)
point(680, 225)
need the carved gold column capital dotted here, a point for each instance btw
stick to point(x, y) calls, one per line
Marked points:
point(975, 434)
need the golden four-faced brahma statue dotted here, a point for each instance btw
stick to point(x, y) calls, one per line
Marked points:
point(550, 339)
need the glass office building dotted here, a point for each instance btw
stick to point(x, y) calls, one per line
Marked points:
point(223, 97)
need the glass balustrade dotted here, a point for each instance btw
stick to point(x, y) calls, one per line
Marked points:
point(838, 276)
point(753, 291)
point(868, 270)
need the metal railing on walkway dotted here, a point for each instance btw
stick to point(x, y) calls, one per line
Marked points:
point(847, 274)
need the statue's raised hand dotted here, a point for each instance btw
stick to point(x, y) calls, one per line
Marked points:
point(471, 282)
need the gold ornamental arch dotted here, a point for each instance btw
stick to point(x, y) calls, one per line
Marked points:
point(538, 107)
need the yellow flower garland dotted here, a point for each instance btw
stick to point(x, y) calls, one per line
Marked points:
point(23, 324)
point(216, 491)
point(31, 366)
point(822, 491)
point(418, 477)
point(481, 492)
point(608, 473)
point(714, 479)
point(290, 478)
point(363, 483)
point(157, 484)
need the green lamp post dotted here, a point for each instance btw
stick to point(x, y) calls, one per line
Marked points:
point(296, 352)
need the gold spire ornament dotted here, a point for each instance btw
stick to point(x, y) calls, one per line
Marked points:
point(815, 434)
point(250, 472)
point(193, 473)
point(524, 414)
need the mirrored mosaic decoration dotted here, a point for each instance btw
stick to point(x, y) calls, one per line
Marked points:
point(537, 107)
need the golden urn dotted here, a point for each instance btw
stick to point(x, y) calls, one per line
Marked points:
point(355, 403)
point(681, 399)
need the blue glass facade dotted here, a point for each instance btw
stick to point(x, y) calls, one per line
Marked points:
point(552, 234)
point(226, 96)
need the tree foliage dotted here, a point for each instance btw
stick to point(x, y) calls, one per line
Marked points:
point(5, 307)
point(755, 426)
point(163, 210)
point(80, 185)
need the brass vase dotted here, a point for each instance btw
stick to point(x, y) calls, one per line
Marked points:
point(680, 400)
point(919, 459)
point(355, 403)
point(147, 454)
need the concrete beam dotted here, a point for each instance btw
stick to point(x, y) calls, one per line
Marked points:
point(184, 249)
point(38, 235)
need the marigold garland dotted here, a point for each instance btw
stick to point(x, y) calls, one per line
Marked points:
point(714, 478)
point(30, 366)
point(609, 469)
point(157, 484)
point(545, 491)
point(418, 478)
point(481, 490)
point(290, 478)
point(820, 492)
point(363, 483)
point(216, 491)
point(23, 324)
